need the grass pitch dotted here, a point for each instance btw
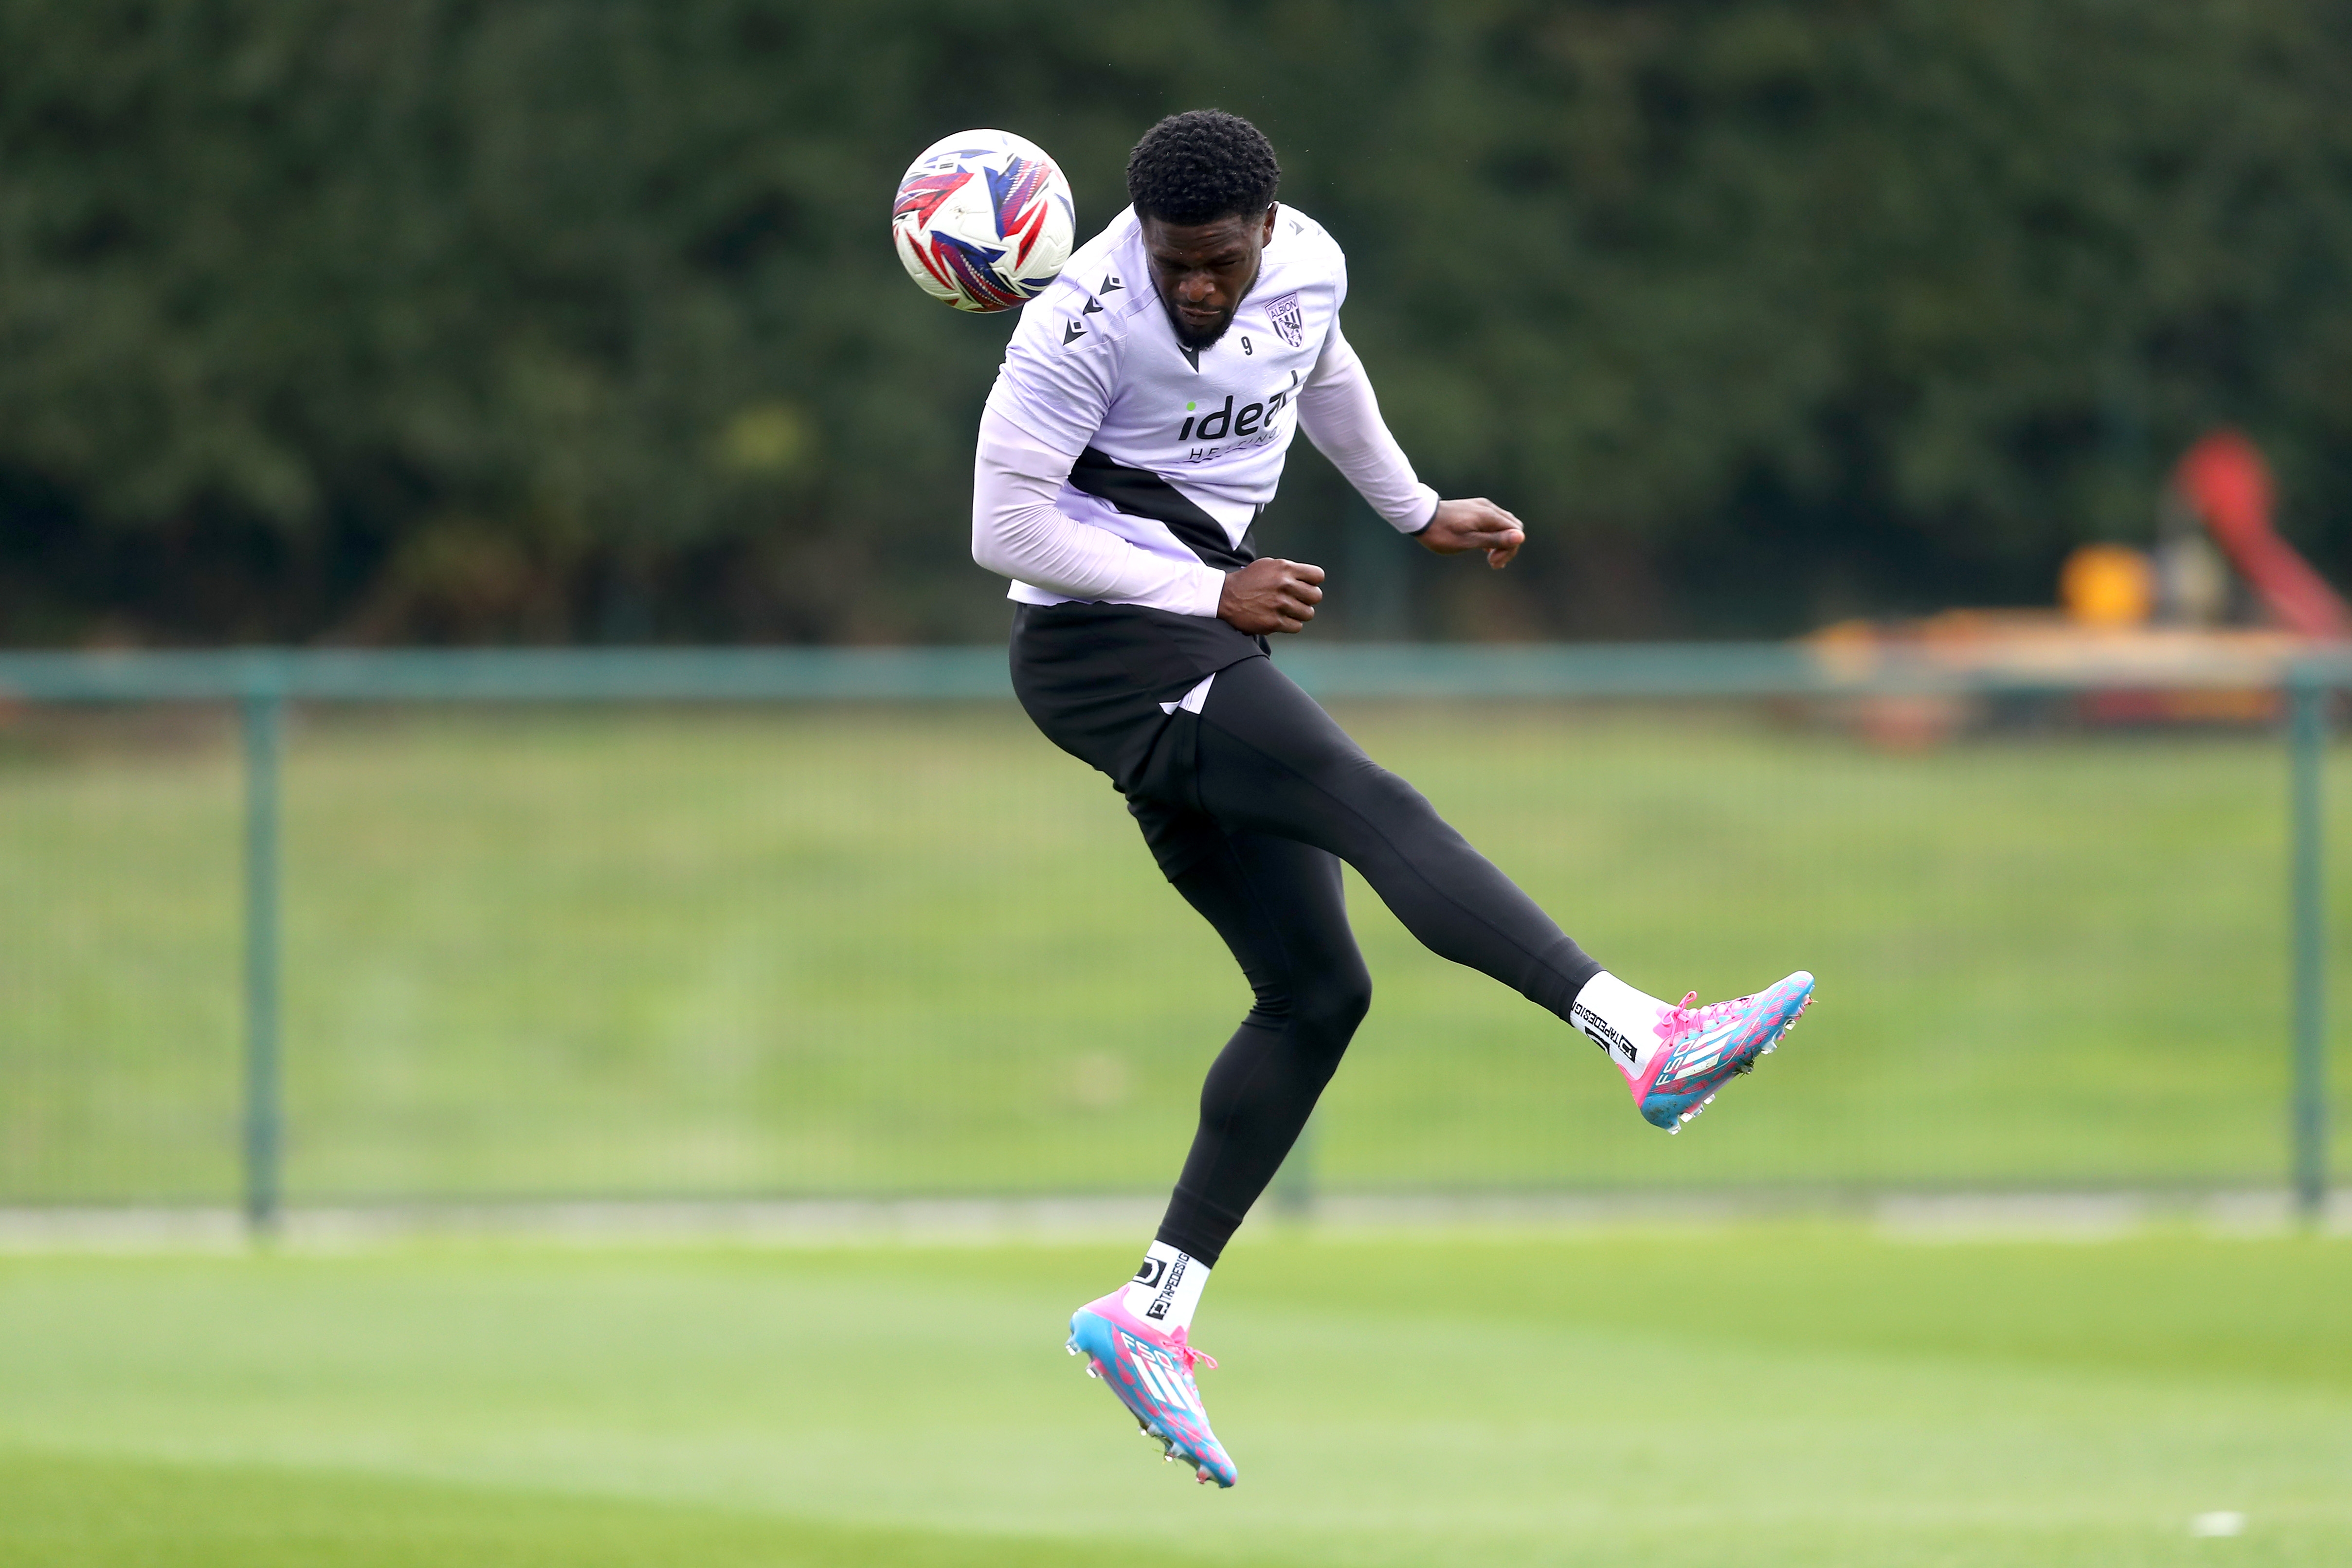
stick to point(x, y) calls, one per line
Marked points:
point(1809, 1395)
point(812, 950)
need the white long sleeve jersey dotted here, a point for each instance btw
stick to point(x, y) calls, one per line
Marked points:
point(1118, 466)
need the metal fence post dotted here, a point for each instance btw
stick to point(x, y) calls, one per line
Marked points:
point(264, 1107)
point(2307, 728)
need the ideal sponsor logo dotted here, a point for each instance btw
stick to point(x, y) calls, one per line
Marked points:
point(1602, 1033)
point(1251, 425)
point(1149, 1275)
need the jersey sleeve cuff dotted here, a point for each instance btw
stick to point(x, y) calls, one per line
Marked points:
point(1208, 586)
point(1416, 518)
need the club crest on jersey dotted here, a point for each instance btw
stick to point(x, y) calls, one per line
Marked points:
point(1289, 320)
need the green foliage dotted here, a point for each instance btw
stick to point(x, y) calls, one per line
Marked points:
point(550, 319)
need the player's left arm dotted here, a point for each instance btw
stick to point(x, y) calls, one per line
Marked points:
point(1341, 416)
point(1479, 524)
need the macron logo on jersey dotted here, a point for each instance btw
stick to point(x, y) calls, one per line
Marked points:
point(1075, 328)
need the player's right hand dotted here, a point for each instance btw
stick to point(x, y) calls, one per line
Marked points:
point(1270, 595)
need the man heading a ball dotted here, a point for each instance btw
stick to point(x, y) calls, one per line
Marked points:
point(1138, 427)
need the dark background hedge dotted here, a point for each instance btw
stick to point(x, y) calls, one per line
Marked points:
point(422, 319)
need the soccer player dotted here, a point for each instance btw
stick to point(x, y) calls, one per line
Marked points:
point(1136, 430)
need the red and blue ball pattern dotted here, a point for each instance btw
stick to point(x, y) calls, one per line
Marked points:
point(984, 221)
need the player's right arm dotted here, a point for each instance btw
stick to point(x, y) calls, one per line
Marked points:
point(1019, 531)
point(1051, 396)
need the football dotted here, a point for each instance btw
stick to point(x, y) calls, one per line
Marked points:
point(984, 221)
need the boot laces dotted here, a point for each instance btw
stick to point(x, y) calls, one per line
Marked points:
point(1187, 1354)
point(1685, 1018)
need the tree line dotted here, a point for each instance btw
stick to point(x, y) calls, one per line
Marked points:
point(576, 319)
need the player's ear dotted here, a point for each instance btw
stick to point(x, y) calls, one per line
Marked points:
point(1266, 230)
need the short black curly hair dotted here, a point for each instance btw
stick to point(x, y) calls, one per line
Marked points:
point(1201, 165)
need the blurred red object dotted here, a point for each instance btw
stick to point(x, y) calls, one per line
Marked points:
point(2223, 476)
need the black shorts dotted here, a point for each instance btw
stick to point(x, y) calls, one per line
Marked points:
point(1092, 678)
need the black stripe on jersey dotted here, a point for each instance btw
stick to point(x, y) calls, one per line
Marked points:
point(1143, 494)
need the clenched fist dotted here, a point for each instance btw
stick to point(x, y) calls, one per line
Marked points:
point(1270, 595)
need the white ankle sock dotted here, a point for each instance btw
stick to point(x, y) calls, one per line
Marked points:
point(1167, 1289)
point(1620, 1020)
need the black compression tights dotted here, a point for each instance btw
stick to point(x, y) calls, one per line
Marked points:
point(1278, 796)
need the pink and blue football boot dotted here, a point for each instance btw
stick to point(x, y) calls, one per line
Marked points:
point(1151, 1370)
point(1701, 1049)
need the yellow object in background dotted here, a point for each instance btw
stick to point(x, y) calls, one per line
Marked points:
point(2107, 585)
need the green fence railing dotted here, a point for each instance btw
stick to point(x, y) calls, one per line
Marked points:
point(261, 683)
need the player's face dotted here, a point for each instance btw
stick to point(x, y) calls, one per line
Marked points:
point(1203, 270)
